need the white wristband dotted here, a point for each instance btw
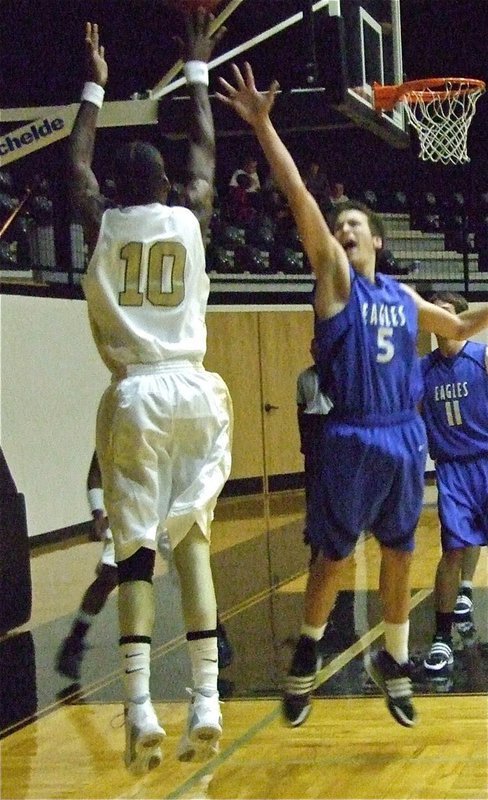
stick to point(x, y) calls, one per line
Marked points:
point(95, 499)
point(196, 72)
point(94, 93)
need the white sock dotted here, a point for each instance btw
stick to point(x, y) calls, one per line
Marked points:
point(466, 584)
point(311, 632)
point(204, 657)
point(396, 640)
point(136, 668)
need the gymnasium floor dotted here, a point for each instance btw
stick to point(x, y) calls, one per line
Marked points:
point(62, 741)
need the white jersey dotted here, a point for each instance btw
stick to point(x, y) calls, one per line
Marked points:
point(309, 394)
point(146, 287)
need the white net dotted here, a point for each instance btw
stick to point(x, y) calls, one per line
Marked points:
point(441, 118)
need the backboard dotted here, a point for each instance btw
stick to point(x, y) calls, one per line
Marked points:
point(325, 54)
point(373, 51)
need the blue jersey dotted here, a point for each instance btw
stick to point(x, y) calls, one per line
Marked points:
point(455, 404)
point(371, 447)
point(367, 354)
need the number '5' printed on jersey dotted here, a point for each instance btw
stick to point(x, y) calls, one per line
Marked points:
point(161, 267)
point(386, 350)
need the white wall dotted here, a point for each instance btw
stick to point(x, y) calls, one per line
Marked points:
point(51, 381)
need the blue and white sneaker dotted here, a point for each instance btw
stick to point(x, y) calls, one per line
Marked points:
point(439, 661)
point(296, 703)
point(394, 681)
point(463, 609)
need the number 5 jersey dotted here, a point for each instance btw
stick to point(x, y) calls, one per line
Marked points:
point(367, 356)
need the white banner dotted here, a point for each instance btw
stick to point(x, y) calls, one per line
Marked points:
point(37, 134)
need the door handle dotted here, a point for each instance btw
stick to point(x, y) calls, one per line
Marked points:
point(268, 407)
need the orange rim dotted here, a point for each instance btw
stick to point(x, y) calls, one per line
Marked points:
point(386, 97)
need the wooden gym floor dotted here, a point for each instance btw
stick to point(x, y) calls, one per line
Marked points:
point(62, 741)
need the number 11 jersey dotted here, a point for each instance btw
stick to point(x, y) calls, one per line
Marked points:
point(455, 404)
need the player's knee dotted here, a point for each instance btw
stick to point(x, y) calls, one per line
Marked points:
point(138, 567)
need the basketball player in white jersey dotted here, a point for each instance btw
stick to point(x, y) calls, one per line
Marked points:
point(164, 424)
point(72, 650)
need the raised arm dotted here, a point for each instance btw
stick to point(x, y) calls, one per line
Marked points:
point(83, 185)
point(327, 257)
point(435, 319)
point(196, 51)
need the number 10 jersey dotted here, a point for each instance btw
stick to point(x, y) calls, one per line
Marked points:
point(146, 287)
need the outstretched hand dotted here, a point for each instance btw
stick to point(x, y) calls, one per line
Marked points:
point(200, 41)
point(252, 106)
point(96, 66)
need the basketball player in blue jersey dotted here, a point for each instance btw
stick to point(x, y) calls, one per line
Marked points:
point(365, 330)
point(455, 411)
point(164, 424)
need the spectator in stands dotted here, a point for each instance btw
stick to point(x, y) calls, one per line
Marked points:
point(337, 194)
point(276, 212)
point(317, 183)
point(239, 209)
point(249, 167)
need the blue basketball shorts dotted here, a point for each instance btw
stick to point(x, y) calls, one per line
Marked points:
point(367, 479)
point(463, 503)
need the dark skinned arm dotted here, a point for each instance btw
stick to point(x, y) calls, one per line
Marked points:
point(83, 186)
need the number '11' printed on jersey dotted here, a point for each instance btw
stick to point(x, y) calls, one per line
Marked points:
point(453, 413)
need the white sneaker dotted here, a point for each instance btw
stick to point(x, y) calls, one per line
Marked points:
point(204, 727)
point(143, 735)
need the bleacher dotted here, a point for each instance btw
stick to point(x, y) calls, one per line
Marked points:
point(432, 241)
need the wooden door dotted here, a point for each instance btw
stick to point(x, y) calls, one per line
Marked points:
point(233, 352)
point(284, 343)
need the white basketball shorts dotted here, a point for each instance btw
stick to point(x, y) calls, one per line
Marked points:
point(164, 436)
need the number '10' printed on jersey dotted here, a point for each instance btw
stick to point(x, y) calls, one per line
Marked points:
point(164, 274)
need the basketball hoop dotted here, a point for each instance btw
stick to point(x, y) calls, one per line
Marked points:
point(440, 110)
